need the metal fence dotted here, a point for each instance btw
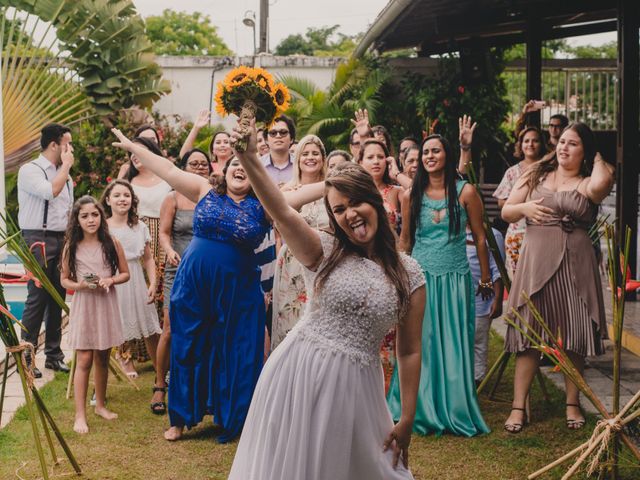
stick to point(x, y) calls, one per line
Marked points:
point(583, 90)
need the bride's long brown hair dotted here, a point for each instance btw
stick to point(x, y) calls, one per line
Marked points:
point(354, 182)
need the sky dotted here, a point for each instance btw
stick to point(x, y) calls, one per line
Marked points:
point(285, 17)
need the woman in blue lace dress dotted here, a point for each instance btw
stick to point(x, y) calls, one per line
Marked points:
point(435, 214)
point(217, 307)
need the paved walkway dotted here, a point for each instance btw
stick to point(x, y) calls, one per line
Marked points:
point(14, 395)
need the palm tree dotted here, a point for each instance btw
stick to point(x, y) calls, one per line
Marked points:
point(92, 59)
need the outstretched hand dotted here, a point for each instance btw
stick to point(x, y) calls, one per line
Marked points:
point(202, 120)
point(361, 122)
point(123, 142)
point(466, 129)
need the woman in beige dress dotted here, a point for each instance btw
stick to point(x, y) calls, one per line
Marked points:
point(559, 198)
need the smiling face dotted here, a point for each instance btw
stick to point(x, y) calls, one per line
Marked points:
point(531, 144)
point(89, 218)
point(120, 200)
point(311, 160)
point(411, 162)
point(358, 220)
point(570, 150)
point(374, 161)
point(236, 179)
point(198, 164)
point(434, 157)
point(221, 147)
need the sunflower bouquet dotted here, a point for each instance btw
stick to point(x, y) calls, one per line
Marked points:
point(251, 93)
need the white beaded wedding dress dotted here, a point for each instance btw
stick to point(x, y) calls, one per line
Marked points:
point(318, 411)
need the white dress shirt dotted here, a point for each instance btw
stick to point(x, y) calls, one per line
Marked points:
point(34, 187)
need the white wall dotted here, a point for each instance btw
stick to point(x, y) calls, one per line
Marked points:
point(191, 81)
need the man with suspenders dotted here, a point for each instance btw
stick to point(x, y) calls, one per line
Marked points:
point(45, 198)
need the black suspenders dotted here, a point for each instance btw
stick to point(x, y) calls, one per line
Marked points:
point(46, 202)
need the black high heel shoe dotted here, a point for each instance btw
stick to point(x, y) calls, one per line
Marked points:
point(517, 427)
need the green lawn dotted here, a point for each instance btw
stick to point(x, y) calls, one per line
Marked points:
point(132, 447)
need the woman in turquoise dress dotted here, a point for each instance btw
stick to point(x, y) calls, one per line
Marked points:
point(435, 213)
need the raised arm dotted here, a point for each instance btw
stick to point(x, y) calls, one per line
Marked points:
point(601, 181)
point(303, 241)
point(465, 136)
point(361, 123)
point(201, 122)
point(192, 186)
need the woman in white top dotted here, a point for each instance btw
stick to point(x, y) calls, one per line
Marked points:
point(151, 191)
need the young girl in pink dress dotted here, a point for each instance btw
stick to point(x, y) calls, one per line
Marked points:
point(92, 263)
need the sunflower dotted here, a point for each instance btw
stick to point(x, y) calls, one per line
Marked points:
point(263, 78)
point(219, 103)
point(237, 75)
point(281, 97)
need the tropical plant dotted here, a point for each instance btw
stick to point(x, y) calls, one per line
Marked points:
point(93, 58)
point(36, 89)
point(328, 113)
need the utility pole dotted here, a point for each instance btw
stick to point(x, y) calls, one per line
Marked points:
point(264, 26)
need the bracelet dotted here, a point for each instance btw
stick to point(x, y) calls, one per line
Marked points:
point(464, 147)
point(488, 284)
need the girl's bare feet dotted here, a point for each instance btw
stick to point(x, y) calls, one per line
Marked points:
point(173, 434)
point(106, 414)
point(80, 425)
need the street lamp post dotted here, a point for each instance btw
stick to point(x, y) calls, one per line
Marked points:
point(249, 20)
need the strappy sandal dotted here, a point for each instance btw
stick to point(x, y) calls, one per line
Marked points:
point(159, 408)
point(514, 428)
point(576, 423)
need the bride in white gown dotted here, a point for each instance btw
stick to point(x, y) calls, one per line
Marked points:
point(318, 410)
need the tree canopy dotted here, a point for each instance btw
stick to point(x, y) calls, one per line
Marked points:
point(320, 42)
point(181, 33)
point(562, 49)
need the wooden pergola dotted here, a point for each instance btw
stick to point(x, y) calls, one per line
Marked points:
point(440, 26)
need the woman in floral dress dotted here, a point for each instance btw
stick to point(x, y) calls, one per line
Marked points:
point(530, 148)
point(289, 289)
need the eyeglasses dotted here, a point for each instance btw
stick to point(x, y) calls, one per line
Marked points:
point(198, 164)
point(278, 133)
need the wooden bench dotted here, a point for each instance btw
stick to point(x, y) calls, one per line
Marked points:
point(490, 202)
